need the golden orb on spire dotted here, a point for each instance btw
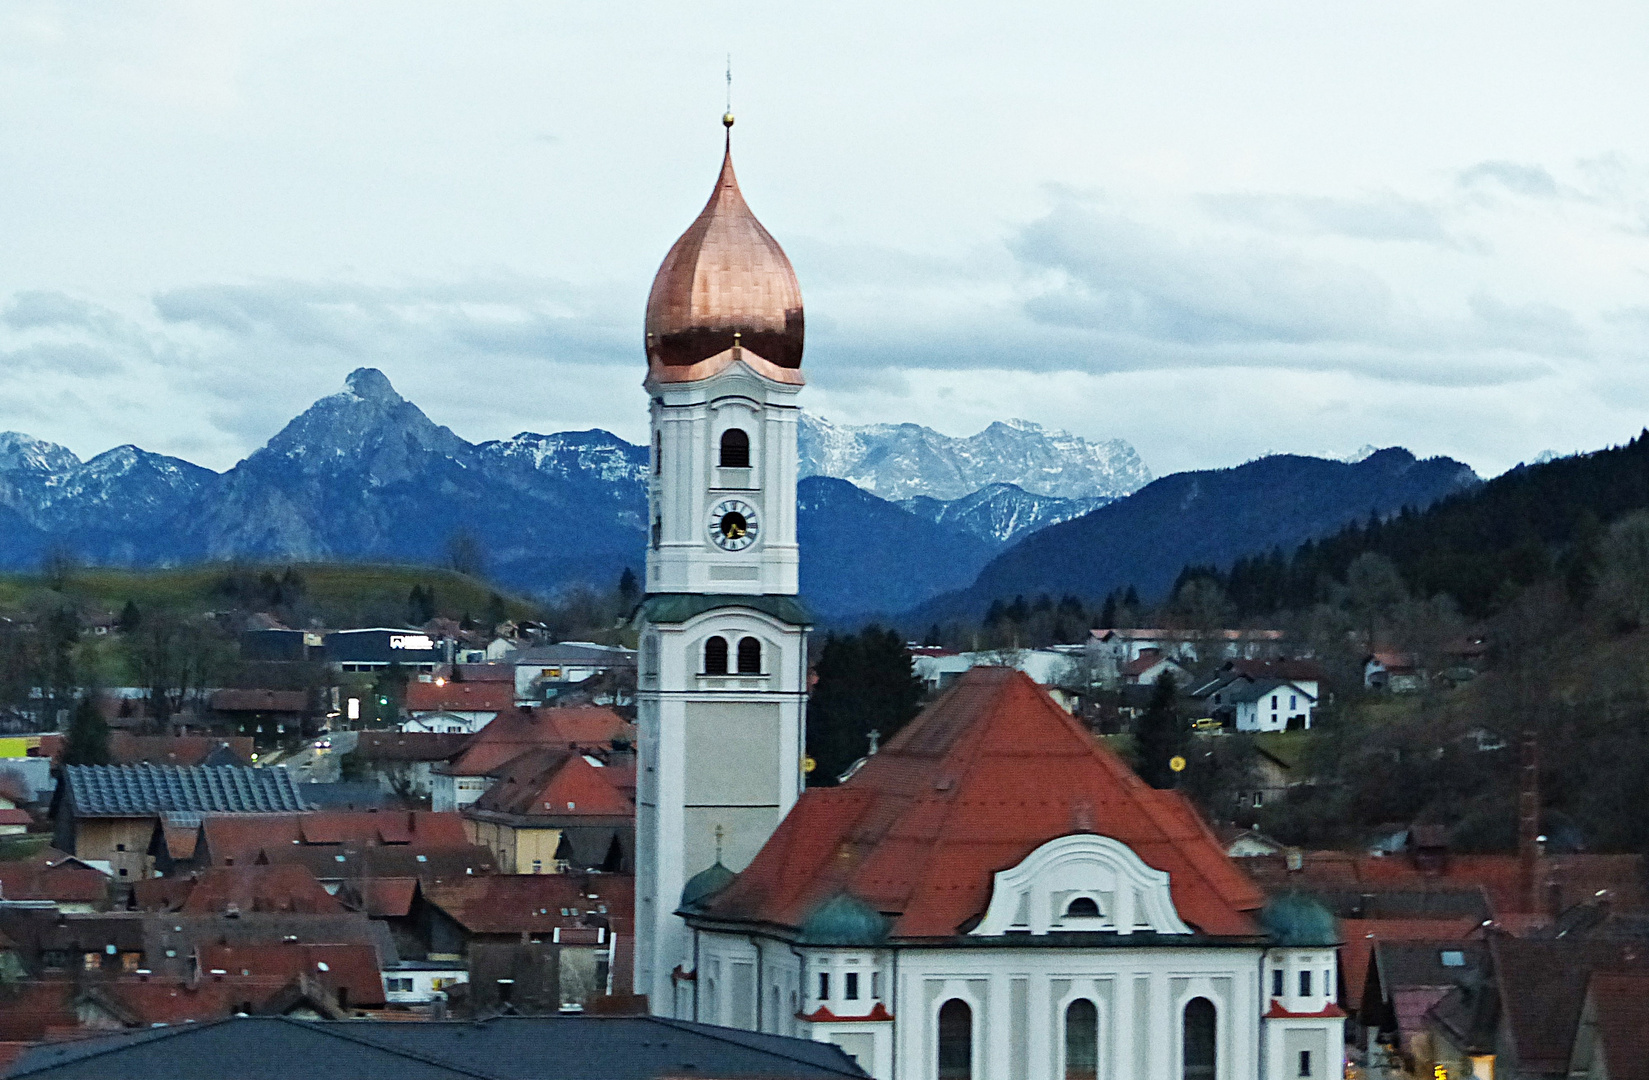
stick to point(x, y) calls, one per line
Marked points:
point(727, 120)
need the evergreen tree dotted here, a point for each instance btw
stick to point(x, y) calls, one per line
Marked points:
point(129, 619)
point(1130, 598)
point(87, 742)
point(1108, 613)
point(629, 592)
point(1161, 734)
point(421, 604)
point(496, 613)
point(933, 638)
point(865, 684)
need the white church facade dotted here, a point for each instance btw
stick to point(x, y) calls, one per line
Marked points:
point(993, 894)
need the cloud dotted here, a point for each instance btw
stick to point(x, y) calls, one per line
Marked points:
point(1519, 179)
point(1378, 217)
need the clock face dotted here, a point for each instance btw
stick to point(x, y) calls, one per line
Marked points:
point(733, 524)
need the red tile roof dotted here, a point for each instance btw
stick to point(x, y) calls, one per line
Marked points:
point(282, 888)
point(460, 696)
point(555, 785)
point(1621, 1003)
point(533, 903)
point(1542, 986)
point(409, 745)
point(38, 879)
point(261, 701)
point(591, 726)
point(240, 837)
point(350, 967)
point(1579, 877)
point(1361, 935)
point(985, 775)
point(386, 897)
point(15, 817)
point(509, 735)
point(128, 749)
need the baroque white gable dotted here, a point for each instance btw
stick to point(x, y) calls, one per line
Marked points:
point(1081, 882)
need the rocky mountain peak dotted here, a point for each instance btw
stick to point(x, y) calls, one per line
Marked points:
point(366, 425)
point(370, 384)
point(27, 454)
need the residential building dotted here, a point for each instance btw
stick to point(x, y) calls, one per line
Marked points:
point(554, 810)
point(1263, 705)
point(1614, 1019)
point(401, 762)
point(1109, 649)
point(110, 813)
point(460, 781)
point(544, 673)
point(448, 706)
point(1398, 672)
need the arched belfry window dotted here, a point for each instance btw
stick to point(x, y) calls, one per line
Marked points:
point(1081, 1040)
point(735, 449)
point(715, 656)
point(658, 452)
point(1199, 1039)
point(750, 656)
point(955, 1040)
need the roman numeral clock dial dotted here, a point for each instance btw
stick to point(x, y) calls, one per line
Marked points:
point(733, 524)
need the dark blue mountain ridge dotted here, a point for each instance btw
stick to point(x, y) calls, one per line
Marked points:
point(1209, 517)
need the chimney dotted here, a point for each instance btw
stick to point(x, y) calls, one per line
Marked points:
point(1528, 823)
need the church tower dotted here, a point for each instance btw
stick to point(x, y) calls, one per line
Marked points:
point(723, 650)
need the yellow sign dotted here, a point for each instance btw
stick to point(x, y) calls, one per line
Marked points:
point(808, 764)
point(1176, 763)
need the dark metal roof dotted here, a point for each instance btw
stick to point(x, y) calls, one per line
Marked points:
point(663, 608)
point(138, 790)
point(506, 1048)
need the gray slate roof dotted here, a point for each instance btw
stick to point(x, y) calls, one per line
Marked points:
point(505, 1048)
point(138, 790)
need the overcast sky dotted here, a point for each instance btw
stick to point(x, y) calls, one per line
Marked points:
point(1215, 230)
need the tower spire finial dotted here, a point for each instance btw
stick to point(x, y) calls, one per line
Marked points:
point(727, 117)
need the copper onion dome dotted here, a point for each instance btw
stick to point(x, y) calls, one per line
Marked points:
point(726, 281)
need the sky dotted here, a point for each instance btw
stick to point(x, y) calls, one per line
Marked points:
point(1214, 230)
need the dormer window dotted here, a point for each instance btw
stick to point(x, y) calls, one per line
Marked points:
point(735, 449)
point(1083, 907)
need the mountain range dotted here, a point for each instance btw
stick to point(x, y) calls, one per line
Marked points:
point(365, 474)
point(1205, 518)
point(904, 461)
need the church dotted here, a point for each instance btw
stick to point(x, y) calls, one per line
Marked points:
point(994, 894)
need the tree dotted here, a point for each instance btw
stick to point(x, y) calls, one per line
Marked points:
point(87, 742)
point(1373, 589)
point(129, 619)
point(865, 684)
point(1161, 734)
point(1108, 613)
point(421, 604)
point(629, 592)
point(465, 553)
point(496, 614)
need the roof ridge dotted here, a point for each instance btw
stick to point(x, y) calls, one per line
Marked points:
point(149, 1035)
point(714, 1033)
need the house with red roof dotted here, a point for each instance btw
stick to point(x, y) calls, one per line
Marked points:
point(995, 893)
point(554, 810)
point(455, 707)
point(462, 780)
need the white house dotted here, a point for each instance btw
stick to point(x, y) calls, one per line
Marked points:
point(542, 671)
point(1265, 704)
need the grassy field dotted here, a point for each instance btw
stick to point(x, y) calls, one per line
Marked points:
point(334, 592)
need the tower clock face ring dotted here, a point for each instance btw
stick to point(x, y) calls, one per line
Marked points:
point(733, 524)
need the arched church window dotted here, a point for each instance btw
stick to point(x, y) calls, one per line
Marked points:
point(955, 1040)
point(1083, 907)
point(715, 656)
point(735, 449)
point(1199, 1040)
point(1081, 1040)
point(750, 656)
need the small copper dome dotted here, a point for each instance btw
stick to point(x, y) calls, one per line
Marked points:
point(725, 276)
